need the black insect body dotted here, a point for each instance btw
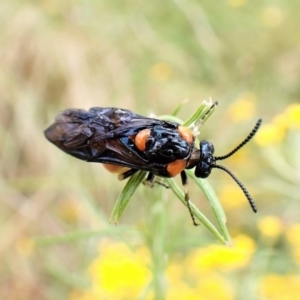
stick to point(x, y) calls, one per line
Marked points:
point(126, 142)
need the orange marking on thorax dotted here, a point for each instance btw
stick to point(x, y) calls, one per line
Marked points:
point(141, 138)
point(175, 167)
point(115, 168)
point(186, 134)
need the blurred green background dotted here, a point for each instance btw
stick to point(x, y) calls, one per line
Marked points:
point(148, 56)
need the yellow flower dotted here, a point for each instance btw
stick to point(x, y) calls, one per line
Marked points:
point(293, 116)
point(175, 273)
point(243, 108)
point(208, 287)
point(293, 237)
point(219, 257)
point(272, 17)
point(270, 134)
point(276, 287)
point(232, 197)
point(237, 3)
point(119, 270)
point(281, 121)
point(293, 234)
point(214, 287)
point(275, 131)
point(161, 71)
point(270, 226)
point(181, 291)
point(117, 273)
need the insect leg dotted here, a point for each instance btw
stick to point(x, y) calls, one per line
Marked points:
point(160, 181)
point(127, 174)
point(184, 180)
point(151, 179)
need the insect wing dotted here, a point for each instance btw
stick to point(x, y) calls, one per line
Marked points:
point(101, 135)
point(117, 123)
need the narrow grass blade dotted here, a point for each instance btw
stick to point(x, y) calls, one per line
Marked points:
point(213, 200)
point(129, 189)
point(178, 108)
point(201, 217)
point(202, 113)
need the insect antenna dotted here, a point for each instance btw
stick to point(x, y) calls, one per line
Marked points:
point(246, 140)
point(251, 202)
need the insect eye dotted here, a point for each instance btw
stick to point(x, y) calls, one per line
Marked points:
point(202, 170)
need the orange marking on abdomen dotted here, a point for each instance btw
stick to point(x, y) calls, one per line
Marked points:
point(186, 134)
point(175, 167)
point(115, 168)
point(141, 138)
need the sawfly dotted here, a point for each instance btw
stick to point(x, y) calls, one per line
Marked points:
point(125, 142)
